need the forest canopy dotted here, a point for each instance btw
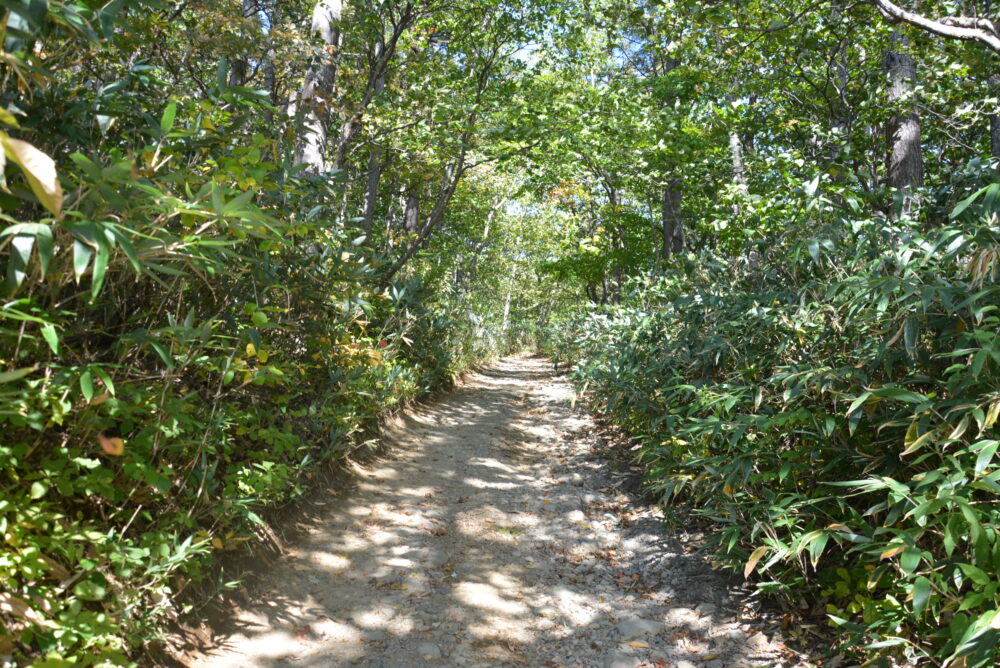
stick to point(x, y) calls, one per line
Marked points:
point(764, 236)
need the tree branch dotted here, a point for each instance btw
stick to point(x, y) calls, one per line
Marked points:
point(953, 27)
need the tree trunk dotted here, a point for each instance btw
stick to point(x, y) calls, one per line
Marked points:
point(317, 89)
point(906, 162)
point(506, 304)
point(375, 164)
point(994, 82)
point(671, 219)
point(411, 216)
point(238, 69)
point(739, 168)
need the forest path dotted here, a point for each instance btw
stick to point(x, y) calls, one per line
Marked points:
point(492, 535)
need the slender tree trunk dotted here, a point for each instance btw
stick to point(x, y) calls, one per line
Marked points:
point(739, 168)
point(238, 69)
point(906, 162)
point(840, 124)
point(994, 82)
point(385, 50)
point(506, 304)
point(317, 89)
point(375, 165)
point(671, 219)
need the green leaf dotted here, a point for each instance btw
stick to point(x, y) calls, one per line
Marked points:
point(89, 590)
point(38, 490)
point(167, 120)
point(51, 337)
point(20, 255)
point(100, 264)
point(82, 253)
point(986, 456)
point(87, 385)
point(921, 594)
point(909, 560)
point(975, 574)
point(16, 374)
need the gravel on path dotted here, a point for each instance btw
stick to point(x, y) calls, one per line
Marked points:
point(492, 536)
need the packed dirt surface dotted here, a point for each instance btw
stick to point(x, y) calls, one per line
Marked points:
point(492, 535)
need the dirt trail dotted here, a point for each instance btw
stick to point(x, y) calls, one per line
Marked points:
point(492, 536)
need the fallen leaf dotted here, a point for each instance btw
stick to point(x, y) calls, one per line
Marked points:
point(638, 643)
point(12, 605)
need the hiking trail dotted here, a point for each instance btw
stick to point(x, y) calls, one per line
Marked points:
point(492, 534)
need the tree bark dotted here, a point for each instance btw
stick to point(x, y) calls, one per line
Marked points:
point(739, 168)
point(968, 28)
point(411, 215)
point(672, 220)
point(317, 89)
point(994, 82)
point(906, 162)
point(382, 55)
point(238, 68)
point(375, 165)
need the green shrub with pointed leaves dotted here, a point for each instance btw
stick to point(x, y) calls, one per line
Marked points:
point(831, 401)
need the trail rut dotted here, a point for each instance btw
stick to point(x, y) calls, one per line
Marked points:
point(492, 535)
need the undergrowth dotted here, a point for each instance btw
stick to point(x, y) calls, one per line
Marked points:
point(830, 401)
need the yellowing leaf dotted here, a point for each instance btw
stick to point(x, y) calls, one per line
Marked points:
point(40, 171)
point(112, 445)
point(892, 551)
point(992, 416)
point(217, 543)
point(262, 356)
point(251, 350)
point(100, 399)
point(8, 118)
point(918, 443)
point(755, 557)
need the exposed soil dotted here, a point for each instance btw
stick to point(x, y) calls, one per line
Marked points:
point(492, 535)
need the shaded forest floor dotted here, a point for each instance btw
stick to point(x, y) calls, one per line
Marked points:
point(493, 533)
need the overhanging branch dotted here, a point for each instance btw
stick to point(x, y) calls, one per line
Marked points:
point(953, 27)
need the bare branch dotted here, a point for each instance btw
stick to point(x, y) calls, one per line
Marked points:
point(953, 27)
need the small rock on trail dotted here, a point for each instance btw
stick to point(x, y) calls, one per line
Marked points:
point(492, 536)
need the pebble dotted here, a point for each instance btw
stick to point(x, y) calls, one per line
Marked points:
point(428, 651)
point(635, 627)
point(706, 609)
point(622, 660)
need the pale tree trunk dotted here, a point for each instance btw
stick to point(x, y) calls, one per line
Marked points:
point(994, 82)
point(510, 293)
point(906, 162)
point(317, 89)
point(671, 219)
point(739, 168)
point(411, 215)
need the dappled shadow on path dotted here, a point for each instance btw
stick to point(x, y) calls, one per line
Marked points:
point(491, 538)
